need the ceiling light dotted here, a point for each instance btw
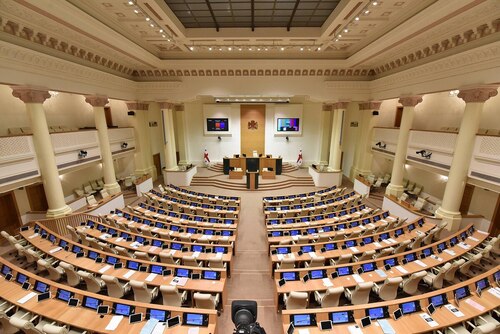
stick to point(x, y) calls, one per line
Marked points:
point(209, 49)
point(345, 30)
point(239, 49)
point(220, 49)
point(164, 36)
point(131, 3)
point(339, 36)
point(258, 49)
point(147, 19)
point(229, 48)
point(265, 49)
point(356, 18)
point(374, 3)
point(249, 49)
point(319, 49)
point(136, 11)
point(161, 30)
point(191, 48)
point(282, 48)
point(152, 25)
point(367, 12)
point(336, 39)
point(301, 49)
point(168, 40)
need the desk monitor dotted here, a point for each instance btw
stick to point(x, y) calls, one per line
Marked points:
point(102, 309)
point(453, 241)
point(341, 226)
point(303, 320)
point(330, 246)
point(160, 315)
point(211, 275)
point(290, 276)
point(398, 232)
point(182, 272)
point(276, 233)
point(482, 284)
point(43, 296)
point(227, 233)
point(294, 232)
point(123, 309)
point(111, 260)
point(367, 267)
point(438, 300)
point(442, 246)
point(197, 248)
point(354, 224)
point(21, 278)
point(317, 274)
point(52, 238)
point(391, 262)
point(63, 243)
point(461, 293)
point(90, 302)
point(312, 230)
point(344, 271)
point(283, 250)
point(176, 246)
point(6, 270)
point(133, 318)
point(157, 243)
point(497, 276)
point(76, 249)
point(410, 307)
point(156, 269)
point(365, 322)
point(411, 227)
point(410, 257)
point(377, 313)
point(307, 248)
point(376, 218)
point(195, 319)
point(41, 287)
point(133, 265)
point(367, 240)
point(327, 228)
point(427, 252)
point(220, 249)
point(397, 314)
point(384, 236)
point(173, 321)
point(350, 243)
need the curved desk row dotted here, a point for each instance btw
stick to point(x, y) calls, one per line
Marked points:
point(339, 200)
point(170, 200)
point(56, 307)
point(470, 305)
point(324, 192)
point(176, 189)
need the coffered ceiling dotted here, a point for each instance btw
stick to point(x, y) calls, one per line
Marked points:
point(151, 40)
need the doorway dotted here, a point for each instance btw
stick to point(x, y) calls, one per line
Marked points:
point(109, 118)
point(397, 118)
point(36, 197)
point(10, 220)
point(157, 163)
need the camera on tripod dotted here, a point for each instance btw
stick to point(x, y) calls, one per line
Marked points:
point(244, 316)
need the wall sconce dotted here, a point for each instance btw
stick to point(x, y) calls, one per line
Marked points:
point(219, 138)
point(381, 144)
point(287, 138)
point(124, 145)
point(424, 154)
point(82, 154)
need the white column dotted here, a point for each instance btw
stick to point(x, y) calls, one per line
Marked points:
point(143, 154)
point(183, 136)
point(98, 102)
point(167, 110)
point(335, 144)
point(464, 146)
point(396, 188)
point(363, 155)
point(33, 99)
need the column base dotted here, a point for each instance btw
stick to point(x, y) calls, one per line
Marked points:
point(151, 170)
point(56, 213)
point(356, 171)
point(454, 219)
point(112, 188)
point(394, 190)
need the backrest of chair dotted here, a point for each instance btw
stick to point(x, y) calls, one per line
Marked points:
point(115, 288)
point(122, 251)
point(189, 261)
point(90, 280)
point(25, 325)
point(216, 263)
point(72, 276)
point(402, 247)
point(297, 300)
point(104, 193)
point(72, 233)
point(91, 200)
point(410, 286)
point(389, 290)
point(367, 255)
point(361, 293)
point(287, 263)
point(204, 300)
point(344, 258)
point(54, 274)
point(31, 256)
point(142, 255)
point(332, 297)
point(437, 282)
point(450, 274)
point(166, 257)
point(318, 261)
point(171, 295)
point(339, 236)
point(384, 252)
point(141, 292)
point(486, 328)
point(53, 329)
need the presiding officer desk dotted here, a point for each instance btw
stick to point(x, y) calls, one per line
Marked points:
point(125, 274)
point(471, 306)
point(86, 318)
point(350, 280)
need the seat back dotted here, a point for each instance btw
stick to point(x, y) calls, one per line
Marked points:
point(31, 256)
point(339, 236)
point(343, 259)
point(384, 252)
point(104, 193)
point(72, 233)
point(142, 256)
point(417, 242)
point(216, 263)
point(451, 272)
point(367, 255)
point(437, 282)
point(166, 257)
point(410, 286)
point(171, 295)
point(25, 325)
point(141, 292)
point(91, 200)
point(93, 284)
point(53, 329)
point(72, 276)
point(485, 328)
point(318, 261)
point(361, 293)
point(332, 297)
point(7, 328)
point(55, 274)
point(389, 290)
point(189, 261)
point(122, 251)
point(402, 247)
point(287, 263)
point(204, 300)
point(297, 300)
point(115, 288)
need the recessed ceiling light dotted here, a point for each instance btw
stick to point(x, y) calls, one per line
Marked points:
point(239, 49)
point(136, 11)
point(301, 49)
point(367, 12)
point(345, 30)
point(229, 48)
point(339, 36)
point(147, 19)
point(249, 49)
point(356, 18)
point(164, 36)
point(265, 49)
point(152, 25)
point(131, 3)
point(220, 49)
point(374, 3)
point(161, 30)
point(282, 48)
point(336, 39)
point(209, 49)
point(191, 48)
point(168, 40)
point(319, 49)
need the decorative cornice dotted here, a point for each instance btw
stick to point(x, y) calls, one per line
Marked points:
point(342, 105)
point(30, 95)
point(179, 107)
point(136, 105)
point(327, 107)
point(96, 100)
point(370, 105)
point(410, 101)
point(166, 105)
point(477, 94)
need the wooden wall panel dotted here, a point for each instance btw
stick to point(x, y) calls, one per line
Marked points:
point(253, 139)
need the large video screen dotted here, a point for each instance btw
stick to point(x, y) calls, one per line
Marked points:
point(217, 124)
point(288, 125)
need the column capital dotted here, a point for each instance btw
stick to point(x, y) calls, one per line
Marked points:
point(96, 100)
point(370, 105)
point(179, 107)
point(477, 94)
point(136, 105)
point(166, 105)
point(30, 94)
point(410, 101)
point(342, 105)
point(327, 107)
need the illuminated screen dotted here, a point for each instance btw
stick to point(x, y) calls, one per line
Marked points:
point(288, 125)
point(217, 124)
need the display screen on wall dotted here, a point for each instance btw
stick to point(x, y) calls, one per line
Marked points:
point(217, 124)
point(288, 125)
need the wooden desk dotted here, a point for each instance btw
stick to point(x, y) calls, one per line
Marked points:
point(85, 318)
point(252, 180)
point(321, 194)
point(233, 174)
point(195, 204)
point(412, 323)
point(200, 196)
point(258, 163)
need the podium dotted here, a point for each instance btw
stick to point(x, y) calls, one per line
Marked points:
point(252, 180)
point(253, 164)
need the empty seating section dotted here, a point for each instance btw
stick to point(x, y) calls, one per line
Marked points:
point(139, 261)
point(352, 261)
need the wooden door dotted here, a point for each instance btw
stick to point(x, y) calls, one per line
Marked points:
point(495, 220)
point(109, 118)
point(399, 115)
point(253, 127)
point(10, 220)
point(157, 163)
point(466, 198)
point(36, 197)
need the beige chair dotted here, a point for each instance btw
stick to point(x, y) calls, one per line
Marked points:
point(343, 259)
point(466, 268)
point(450, 274)
point(388, 290)
point(144, 256)
point(410, 284)
point(93, 243)
point(72, 232)
point(303, 239)
point(402, 247)
point(94, 284)
point(216, 263)
point(190, 261)
point(318, 261)
point(123, 251)
point(286, 263)
point(417, 242)
point(367, 255)
point(142, 293)
point(339, 235)
point(482, 329)
point(6, 327)
point(91, 200)
point(53, 329)
point(166, 257)
point(104, 193)
point(116, 289)
point(330, 298)
point(26, 325)
point(296, 300)
point(435, 278)
point(72, 277)
point(171, 295)
point(360, 294)
point(206, 300)
point(107, 248)
point(55, 274)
